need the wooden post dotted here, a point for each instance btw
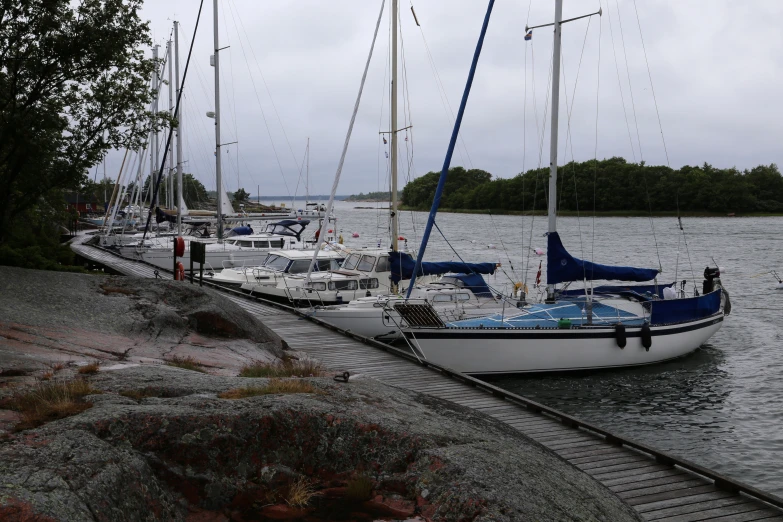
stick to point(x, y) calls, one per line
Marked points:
point(191, 266)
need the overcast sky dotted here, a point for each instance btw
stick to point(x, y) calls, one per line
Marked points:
point(715, 68)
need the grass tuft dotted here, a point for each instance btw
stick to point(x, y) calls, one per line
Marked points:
point(286, 368)
point(186, 363)
point(359, 488)
point(275, 386)
point(89, 369)
point(299, 493)
point(48, 401)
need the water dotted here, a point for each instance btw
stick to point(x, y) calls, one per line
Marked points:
point(722, 406)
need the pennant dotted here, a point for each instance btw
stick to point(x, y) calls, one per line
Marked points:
point(387, 154)
point(538, 275)
point(406, 138)
point(384, 140)
point(529, 35)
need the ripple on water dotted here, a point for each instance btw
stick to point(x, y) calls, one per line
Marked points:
point(722, 406)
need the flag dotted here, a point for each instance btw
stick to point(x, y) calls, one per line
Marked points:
point(384, 140)
point(387, 154)
point(529, 35)
point(538, 275)
point(406, 138)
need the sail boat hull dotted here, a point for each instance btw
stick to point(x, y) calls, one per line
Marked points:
point(525, 350)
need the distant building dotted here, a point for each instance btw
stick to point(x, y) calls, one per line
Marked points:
point(83, 203)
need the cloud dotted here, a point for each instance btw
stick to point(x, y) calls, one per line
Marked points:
point(713, 67)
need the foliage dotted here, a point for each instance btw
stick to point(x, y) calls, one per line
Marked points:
point(275, 386)
point(35, 241)
point(48, 401)
point(609, 185)
point(373, 196)
point(241, 195)
point(186, 363)
point(286, 368)
point(73, 84)
point(193, 190)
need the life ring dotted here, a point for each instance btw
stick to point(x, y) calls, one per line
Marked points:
point(179, 273)
point(179, 247)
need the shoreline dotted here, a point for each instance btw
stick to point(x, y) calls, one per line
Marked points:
point(608, 213)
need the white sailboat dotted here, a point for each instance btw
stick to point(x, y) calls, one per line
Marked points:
point(604, 327)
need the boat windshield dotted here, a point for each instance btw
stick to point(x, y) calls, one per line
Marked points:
point(299, 266)
point(275, 262)
point(351, 262)
point(366, 264)
point(383, 264)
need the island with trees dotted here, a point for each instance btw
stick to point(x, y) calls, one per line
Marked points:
point(609, 186)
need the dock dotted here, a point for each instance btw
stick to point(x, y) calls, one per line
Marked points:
point(659, 486)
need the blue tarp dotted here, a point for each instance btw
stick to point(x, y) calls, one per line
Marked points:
point(402, 266)
point(475, 283)
point(563, 267)
point(688, 309)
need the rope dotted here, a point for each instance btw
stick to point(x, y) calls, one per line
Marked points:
point(325, 223)
point(619, 83)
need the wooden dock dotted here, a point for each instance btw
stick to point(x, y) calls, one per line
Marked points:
point(657, 485)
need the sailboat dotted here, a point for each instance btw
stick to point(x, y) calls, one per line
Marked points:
point(608, 326)
point(284, 233)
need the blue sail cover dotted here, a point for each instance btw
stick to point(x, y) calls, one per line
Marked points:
point(403, 265)
point(562, 267)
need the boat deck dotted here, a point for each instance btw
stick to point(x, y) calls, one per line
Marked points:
point(657, 485)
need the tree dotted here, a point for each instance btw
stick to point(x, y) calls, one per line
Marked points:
point(73, 84)
point(241, 195)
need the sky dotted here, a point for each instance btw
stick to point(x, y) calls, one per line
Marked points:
point(291, 72)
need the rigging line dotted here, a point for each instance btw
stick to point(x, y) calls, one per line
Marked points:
point(652, 88)
point(444, 97)
point(595, 149)
point(171, 130)
point(380, 135)
point(232, 106)
point(569, 111)
point(628, 74)
point(619, 83)
point(500, 238)
point(336, 183)
point(263, 79)
point(263, 113)
point(687, 250)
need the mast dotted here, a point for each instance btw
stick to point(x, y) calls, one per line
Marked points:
point(178, 116)
point(554, 127)
point(555, 110)
point(218, 174)
point(307, 176)
point(156, 145)
point(394, 220)
point(170, 195)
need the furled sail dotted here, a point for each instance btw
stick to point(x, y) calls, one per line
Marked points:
point(403, 265)
point(563, 267)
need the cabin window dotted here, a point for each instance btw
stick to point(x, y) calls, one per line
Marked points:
point(262, 244)
point(441, 298)
point(344, 284)
point(383, 264)
point(364, 284)
point(463, 297)
point(276, 243)
point(245, 243)
point(366, 264)
point(278, 263)
point(351, 262)
point(318, 286)
point(299, 266)
point(326, 264)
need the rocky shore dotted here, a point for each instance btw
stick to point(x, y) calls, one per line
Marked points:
point(152, 441)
